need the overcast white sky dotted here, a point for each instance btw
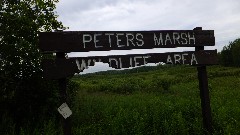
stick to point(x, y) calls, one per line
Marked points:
point(222, 16)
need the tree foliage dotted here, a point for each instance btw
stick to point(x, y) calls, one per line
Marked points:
point(20, 23)
point(230, 55)
point(21, 85)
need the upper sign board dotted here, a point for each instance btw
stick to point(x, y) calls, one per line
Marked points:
point(84, 41)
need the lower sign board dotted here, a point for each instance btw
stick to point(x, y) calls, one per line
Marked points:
point(60, 68)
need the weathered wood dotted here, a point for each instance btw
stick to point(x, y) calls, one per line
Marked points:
point(205, 99)
point(58, 68)
point(204, 95)
point(83, 41)
point(55, 69)
point(62, 83)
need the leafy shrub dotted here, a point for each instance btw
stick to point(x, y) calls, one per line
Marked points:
point(120, 86)
point(163, 83)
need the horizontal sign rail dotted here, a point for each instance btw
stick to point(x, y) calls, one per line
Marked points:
point(83, 41)
point(59, 68)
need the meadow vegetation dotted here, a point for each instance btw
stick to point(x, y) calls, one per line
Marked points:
point(161, 101)
point(150, 100)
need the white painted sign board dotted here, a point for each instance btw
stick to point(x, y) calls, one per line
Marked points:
point(64, 110)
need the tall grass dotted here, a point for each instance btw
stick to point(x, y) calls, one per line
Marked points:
point(164, 101)
point(160, 101)
point(139, 113)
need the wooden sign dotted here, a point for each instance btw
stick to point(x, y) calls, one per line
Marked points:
point(55, 69)
point(83, 41)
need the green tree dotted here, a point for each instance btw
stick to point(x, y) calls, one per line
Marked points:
point(22, 88)
point(20, 23)
point(230, 55)
point(236, 52)
point(226, 56)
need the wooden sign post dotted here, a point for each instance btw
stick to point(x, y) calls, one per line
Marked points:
point(204, 94)
point(84, 41)
point(62, 83)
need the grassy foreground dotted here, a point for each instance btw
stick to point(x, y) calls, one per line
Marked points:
point(161, 101)
point(149, 100)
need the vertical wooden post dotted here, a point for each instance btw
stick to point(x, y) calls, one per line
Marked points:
point(62, 83)
point(204, 94)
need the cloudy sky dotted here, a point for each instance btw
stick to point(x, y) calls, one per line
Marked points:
point(222, 16)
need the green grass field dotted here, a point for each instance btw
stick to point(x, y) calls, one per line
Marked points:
point(161, 101)
point(149, 100)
